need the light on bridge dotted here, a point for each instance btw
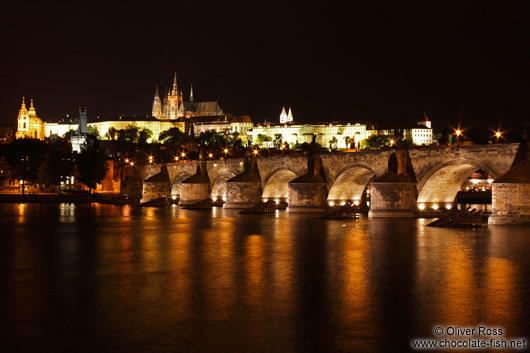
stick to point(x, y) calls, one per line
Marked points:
point(331, 203)
point(435, 207)
point(421, 206)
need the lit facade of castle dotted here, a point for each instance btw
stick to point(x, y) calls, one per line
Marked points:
point(336, 135)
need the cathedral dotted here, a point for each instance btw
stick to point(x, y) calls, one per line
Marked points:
point(174, 107)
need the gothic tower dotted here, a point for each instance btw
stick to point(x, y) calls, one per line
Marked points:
point(173, 100)
point(165, 110)
point(157, 105)
point(283, 116)
point(290, 116)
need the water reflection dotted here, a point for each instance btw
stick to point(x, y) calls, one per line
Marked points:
point(153, 278)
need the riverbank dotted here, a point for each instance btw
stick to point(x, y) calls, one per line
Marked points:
point(110, 198)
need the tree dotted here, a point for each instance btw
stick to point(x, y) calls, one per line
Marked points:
point(91, 163)
point(129, 134)
point(24, 156)
point(262, 138)
point(144, 135)
point(111, 133)
point(277, 140)
point(172, 136)
point(333, 142)
point(59, 161)
point(92, 130)
point(376, 141)
point(348, 141)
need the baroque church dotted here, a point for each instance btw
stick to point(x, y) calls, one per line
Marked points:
point(173, 106)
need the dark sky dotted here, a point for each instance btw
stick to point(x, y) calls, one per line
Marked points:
point(370, 61)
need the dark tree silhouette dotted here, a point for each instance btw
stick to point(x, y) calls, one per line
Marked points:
point(91, 163)
point(59, 161)
point(25, 156)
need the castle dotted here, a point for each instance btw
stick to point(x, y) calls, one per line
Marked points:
point(173, 106)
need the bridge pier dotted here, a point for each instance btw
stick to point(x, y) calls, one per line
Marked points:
point(156, 186)
point(197, 187)
point(307, 195)
point(393, 199)
point(394, 194)
point(244, 190)
point(309, 192)
point(510, 197)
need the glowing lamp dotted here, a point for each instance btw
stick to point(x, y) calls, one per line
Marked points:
point(421, 206)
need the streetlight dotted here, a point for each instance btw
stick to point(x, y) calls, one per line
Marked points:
point(177, 158)
point(497, 136)
point(127, 160)
point(225, 152)
point(210, 155)
point(132, 163)
point(391, 142)
point(255, 152)
point(458, 132)
point(150, 159)
point(183, 154)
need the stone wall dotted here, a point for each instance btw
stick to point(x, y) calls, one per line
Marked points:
point(242, 194)
point(193, 193)
point(510, 204)
point(307, 197)
point(393, 199)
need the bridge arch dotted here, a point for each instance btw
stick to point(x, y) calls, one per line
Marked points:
point(175, 186)
point(351, 182)
point(443, 181)
point(219, 184)
point(277, 184)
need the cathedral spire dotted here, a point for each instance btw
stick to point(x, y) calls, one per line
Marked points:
point(156, 91)
point(191, 94)
point(283, 116)
point(23, 104)
point(174, 92)
point(290, 116)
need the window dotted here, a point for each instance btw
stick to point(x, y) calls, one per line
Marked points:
point(24, 126)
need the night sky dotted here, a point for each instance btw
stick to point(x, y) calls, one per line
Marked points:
point(372, 61)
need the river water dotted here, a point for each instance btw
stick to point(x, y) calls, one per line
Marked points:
point(106, 278)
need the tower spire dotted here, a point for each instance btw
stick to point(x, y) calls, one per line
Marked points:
point(156, 91)
point(191, 94)
point(174, 92)
point(23, 103)
point(283, 116)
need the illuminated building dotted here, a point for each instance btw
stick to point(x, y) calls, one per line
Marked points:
point(173, 106)
point(334, 135)
point(29, 124)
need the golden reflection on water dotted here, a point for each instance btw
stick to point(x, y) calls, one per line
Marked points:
point(219, 267)
point(20, 211)
point(457, 295)
point(356, 286)
point(179, 300)
point(499, 291)
point(253, 260)
point(282, 262)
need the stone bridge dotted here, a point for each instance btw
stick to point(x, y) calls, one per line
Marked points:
point(439, 171)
